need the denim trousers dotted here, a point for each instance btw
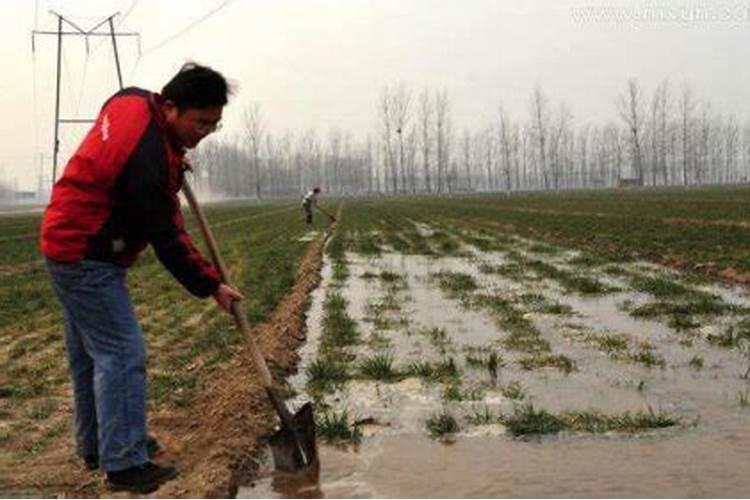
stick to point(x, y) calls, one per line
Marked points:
point(107, 357)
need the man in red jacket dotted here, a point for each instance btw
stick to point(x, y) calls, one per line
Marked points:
point(117, 195)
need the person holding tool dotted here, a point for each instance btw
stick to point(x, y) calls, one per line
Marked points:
point(117, 195)
point(309, 201)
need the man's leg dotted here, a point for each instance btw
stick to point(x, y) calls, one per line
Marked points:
point(81, 368)
point(100, 307)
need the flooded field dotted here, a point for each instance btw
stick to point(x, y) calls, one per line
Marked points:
point(522, 369)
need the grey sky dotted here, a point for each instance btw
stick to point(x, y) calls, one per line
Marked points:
point(322, 64)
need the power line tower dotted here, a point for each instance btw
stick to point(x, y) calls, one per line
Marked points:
point(95, 31)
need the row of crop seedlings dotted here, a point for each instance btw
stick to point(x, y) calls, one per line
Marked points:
point(682, 307)
point(524, 337)
point(333, 366)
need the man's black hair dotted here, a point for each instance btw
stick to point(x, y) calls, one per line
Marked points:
point(196, 86)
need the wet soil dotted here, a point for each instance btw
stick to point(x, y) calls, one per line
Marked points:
point(706, 454)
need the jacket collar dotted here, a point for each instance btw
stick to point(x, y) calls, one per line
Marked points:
point(155, 102)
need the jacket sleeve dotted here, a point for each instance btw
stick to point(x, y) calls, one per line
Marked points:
point(156, 213)
point(175, 249)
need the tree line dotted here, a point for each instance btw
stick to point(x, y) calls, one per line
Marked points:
point(669, 137)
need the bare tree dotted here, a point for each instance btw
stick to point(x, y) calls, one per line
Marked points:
point(559, 140)
point(466, 146)
point(442, 127)
point(254, 131)
point(583, 154)
point(661, 111)
point(630, 107)
point(388, 128)
point(488, 148)
point(331, 174)
point(687, 107)
point(425, 132)
point(369, 162)
point(411, 158)
point(504, 141)
point(746, 152)
point(703, 147)
point(540, 127)
point(732, 146)
point(401, 104)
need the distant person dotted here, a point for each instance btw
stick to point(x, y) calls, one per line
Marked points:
point(118, 194)
point(309, 201)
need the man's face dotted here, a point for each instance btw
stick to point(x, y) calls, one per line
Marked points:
point(189, 126)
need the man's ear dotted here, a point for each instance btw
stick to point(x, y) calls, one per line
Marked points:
point(170, 110)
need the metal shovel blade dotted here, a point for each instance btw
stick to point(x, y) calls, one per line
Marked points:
point(294, 449)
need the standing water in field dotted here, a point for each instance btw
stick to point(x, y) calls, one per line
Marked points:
point(521, 373)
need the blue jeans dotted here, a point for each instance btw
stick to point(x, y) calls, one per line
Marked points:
point(107, 357)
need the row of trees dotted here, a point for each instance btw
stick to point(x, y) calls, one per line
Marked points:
point(665, 139)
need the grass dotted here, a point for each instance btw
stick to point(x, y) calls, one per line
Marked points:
point(522, 334)
point(681, 313)
point(326, 374)
point(646, 356)
point(514, 271)
point(456, 284)
point(35, 446)
point(513, 390)
point(481, 416)
point(439, 425)
point(559, 361)
point(379, 367)
point(340, 271)
point(486, 358)
point(696, 362)
point(660, 287)
point(438, 338)
point(43, 409)
point(339, 329)
point(611, 343)
point(743, 397)
point(617, 346)
point(445, 371)
point(570, 281)
point(732, 336)
point(393, 279)
point(335, 428)
point(526, 420)
point(588, 260)
point(452, 391)
point(367, 244)
point(172, 387)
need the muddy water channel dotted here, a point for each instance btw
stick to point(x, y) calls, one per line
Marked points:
point(653, 405)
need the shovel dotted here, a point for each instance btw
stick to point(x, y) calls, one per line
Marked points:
point(293, 445)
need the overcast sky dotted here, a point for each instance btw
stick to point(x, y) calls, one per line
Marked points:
point(323, 63)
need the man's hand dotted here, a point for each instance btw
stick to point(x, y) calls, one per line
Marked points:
point(225, 295)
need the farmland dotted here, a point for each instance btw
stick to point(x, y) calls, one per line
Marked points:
point(485, 332)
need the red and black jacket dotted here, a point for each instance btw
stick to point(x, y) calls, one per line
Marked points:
point(118, 193)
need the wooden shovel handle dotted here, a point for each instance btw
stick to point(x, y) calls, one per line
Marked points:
point(239, 316)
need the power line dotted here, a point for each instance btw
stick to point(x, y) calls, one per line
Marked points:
point(176, 35)
point(189, 27)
